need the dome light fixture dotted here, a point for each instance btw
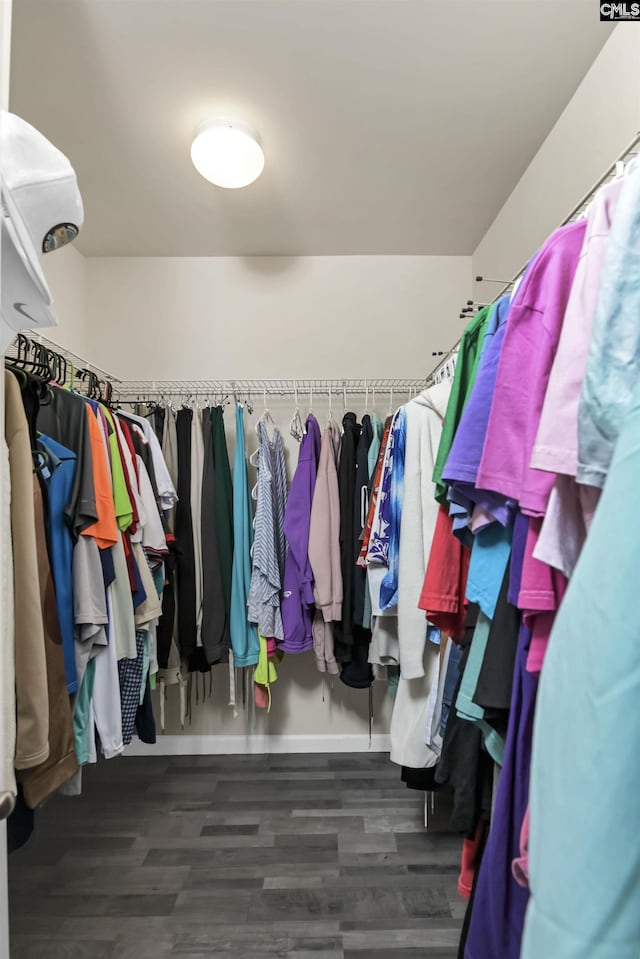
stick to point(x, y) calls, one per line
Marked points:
point(227, 152)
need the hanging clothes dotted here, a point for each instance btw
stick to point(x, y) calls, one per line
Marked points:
point(361, 503)
point(64, 419)
point(577, 909)
point(324, 550)
point(612, 363)
point(269, 543)
point(392, 507)
point(40, 782)
point(297, 587)
point(464, 377)
point(343, 629)
point(535, 315)
point(198, 660)
point(32, 697)
point(419, 695)
point(215, 625)
point(384, 647)
point(186, 567)
point(58, 476)
point(8, 785)
point(244, 636)
point(223, 503)
point(357, 673)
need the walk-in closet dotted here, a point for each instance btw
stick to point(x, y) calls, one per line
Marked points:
point(321, 404)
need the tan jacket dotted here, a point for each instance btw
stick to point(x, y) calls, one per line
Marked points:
point(32, 700)
point(324, 530)
point(42, 781)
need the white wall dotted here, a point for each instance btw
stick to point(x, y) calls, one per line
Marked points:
point(65, 270)
point(273, 316)
point(598, 122)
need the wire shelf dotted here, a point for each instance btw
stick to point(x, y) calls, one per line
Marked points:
point(132, 390)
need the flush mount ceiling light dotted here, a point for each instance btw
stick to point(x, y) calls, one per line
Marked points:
point(227, 152)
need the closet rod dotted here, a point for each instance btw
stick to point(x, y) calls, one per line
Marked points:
point(573, 215)
point(131, 390)
point(76, 361)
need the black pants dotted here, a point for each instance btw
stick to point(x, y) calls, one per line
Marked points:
point(185, 560)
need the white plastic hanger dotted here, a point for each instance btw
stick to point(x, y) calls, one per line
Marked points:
point(266, 417)
point(296, 426)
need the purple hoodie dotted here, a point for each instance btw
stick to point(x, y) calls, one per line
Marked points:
point(297, 603)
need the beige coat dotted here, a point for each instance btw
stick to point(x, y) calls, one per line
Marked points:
point(41, 782)
point(32, 700)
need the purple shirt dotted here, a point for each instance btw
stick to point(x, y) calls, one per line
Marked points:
point(518, 545)
point(530, 342)
point(499, 905)
point(297, 601)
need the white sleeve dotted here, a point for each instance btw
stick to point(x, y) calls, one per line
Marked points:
point(166, 489)
point(153, 532)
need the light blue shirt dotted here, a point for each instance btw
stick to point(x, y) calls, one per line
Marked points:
point(613, 364)
point(584, 847)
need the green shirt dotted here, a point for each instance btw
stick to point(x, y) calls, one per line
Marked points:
point(463, 380)
point(122, 502)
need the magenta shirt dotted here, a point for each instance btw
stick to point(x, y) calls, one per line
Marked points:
point(528, 351)
point(541, 592)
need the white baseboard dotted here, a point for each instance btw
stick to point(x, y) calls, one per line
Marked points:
point(189, 745)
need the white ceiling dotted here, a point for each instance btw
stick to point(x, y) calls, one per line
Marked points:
point(389, 126)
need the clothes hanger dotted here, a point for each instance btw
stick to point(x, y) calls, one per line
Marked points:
point(41, 460)
point(266, 418)
point(391, 401)
point(366, 398)
point(296, 426)
point(330, 416)
point(22, 349)
point(17, 371)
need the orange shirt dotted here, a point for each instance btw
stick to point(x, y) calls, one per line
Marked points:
point(105, 531)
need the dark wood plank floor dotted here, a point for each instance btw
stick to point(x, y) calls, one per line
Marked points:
point(304, 857)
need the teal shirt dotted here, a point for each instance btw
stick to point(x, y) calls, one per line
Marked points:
point(584, 845)
point(244, 635)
